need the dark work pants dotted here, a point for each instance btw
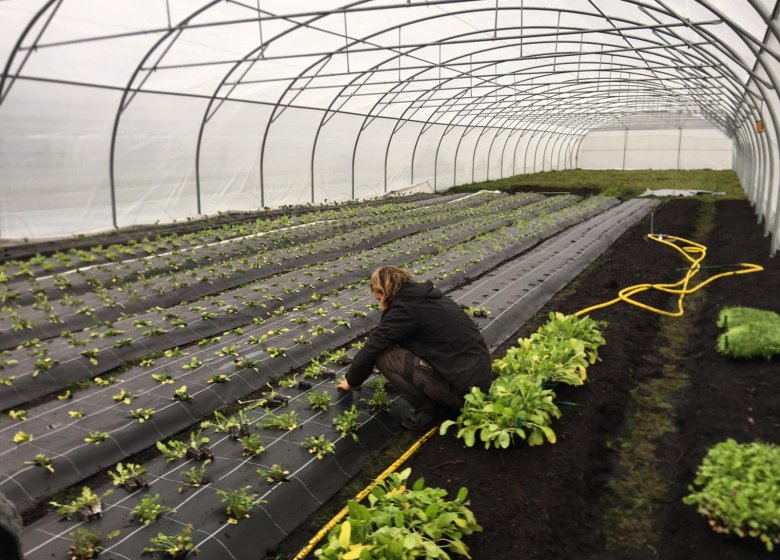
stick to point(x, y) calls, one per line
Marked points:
point(418, 383)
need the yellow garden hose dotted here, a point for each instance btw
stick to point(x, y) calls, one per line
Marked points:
point(693, 252)
point(305, 551)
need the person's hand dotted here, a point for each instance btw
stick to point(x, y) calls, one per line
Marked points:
point(344, 386)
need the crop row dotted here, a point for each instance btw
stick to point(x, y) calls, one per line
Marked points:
point(19, 271)
point(231, 474)
point(38, 368)
point(282, 232)
point(182, 277)
point(252, 356)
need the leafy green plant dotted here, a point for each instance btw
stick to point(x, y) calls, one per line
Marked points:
point(221, 378)
point(320, 401)
point(320, 330)
point(336, 357)
point(104, 381)
point(41, 460)
point(341, 322)
point(252, 445)
point(22, 437)
point(277, 473)
point(85, 545)
point(287, 382)
point(18, 415)
point(402, 523)
point(479, 311)
point(198, 448)
point(149, 509)
point(737, 488)
point(43, 363)
point(244, 362)
point(76, 414)
point(301, 339)
point(91, 355)
point(559, 351)
point(182, 395)
point(173, 450)
point(122, 342)
point(5, 361)
point(515, 406)
point(287, 421)
point(749, 333)
point(232, 425)
point(87, 505)
point(231, 350)
point(130, 476)
point(196, 475)
point(239, 501)
point(97, 437)
point(319, 446)
point(347, 422)
point(162, 378)
point(123, 397)
point(276, 352)
point(176, 546)
point(195, 363)
point(256, 339)
point(379, 400)
point(142, 414)
point(313, 369)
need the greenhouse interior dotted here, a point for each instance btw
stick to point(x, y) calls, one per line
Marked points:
point(389, 279)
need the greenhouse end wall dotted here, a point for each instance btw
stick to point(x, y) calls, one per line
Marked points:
point(682, 148)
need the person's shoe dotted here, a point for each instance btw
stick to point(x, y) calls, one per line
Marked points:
point(419, 421)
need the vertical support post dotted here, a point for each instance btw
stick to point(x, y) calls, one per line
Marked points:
point(679, 146)
point(259, 28)
point(495, 23)
point(346, 39)
point(625, 143)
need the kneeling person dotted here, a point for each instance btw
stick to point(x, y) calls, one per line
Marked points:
point(429, 350)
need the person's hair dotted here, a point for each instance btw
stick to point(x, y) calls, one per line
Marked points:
point(387, 281)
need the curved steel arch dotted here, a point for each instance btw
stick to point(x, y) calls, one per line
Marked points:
point(236, 65)
point(451, 124)
point(728, 110)
point(513, 84)
point(401, 120)
point(760, 84)
point(124, 102)
point(18, 45)
point(386, 30)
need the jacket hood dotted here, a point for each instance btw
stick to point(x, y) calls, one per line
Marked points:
point(419, 290)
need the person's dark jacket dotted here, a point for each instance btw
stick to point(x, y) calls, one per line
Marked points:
point(432, 326)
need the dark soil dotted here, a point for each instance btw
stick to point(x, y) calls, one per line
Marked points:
point(548, 502)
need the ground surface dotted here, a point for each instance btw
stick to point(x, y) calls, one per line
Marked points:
point(548, 502)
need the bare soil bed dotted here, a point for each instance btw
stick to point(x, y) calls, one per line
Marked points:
point(550, 502)
point(547, 502)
